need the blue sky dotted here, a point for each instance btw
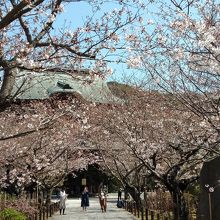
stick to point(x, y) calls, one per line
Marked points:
point(76, 12)
point(73, 12)
point(74, 16)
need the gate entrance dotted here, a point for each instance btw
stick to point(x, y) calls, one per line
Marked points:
point(91, 178)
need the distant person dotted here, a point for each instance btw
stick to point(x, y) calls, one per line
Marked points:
point(103, 197)
point(120, 203)
point(119, 194)
point(63, 198)
point(105, 189)
point(85, 198)
point(103, 201)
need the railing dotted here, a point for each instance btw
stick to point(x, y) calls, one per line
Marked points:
point(45, 212)
point(144, 213)
point(158, 209)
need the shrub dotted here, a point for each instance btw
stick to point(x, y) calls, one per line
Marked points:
point(11, 214)
point(22, 205)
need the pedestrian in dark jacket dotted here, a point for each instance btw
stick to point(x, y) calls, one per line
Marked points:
point(85, 198)
point(119, 194)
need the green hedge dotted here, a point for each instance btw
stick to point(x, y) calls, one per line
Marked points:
point(11, 214)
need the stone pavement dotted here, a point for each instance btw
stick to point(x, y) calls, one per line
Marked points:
point(74, 211)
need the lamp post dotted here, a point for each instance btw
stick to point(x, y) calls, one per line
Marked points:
point(211, 189)
point(37, 193)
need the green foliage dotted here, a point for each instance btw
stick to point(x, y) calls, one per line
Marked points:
point(11, 214)
point(113, 185)
point(194, 189)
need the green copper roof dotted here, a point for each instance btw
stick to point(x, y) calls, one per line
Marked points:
point(32, 85)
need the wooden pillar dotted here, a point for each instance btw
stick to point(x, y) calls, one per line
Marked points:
point(142, 213)
point(44, 213)
point(146, 214)
point(40, 214)
point(158, 216)
point(50, 214)
point(47, 214)
point(152, 215)
point(138, 211)
point(58, 206)
point(135, 208)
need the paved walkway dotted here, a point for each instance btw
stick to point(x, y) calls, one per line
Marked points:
point(75, 212)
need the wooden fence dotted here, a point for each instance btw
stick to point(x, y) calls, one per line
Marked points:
point(144, 213)
point(45, 212)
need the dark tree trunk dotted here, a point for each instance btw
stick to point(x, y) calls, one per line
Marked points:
point(48, 194)
point(135, 194)
point(180, 209)
point(7, 85)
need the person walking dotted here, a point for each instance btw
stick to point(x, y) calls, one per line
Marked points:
point(120, 202)
point(63, 198)
point(85, 198)
point(119, 194)
point(103, 197)
point(103, 201)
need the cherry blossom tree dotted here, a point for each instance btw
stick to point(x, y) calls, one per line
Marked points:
point(117, 160)
point(160, 136)
point(181, 54)
point(30, 41)
point(38, 139)
point(148, 135)
point(40, 143)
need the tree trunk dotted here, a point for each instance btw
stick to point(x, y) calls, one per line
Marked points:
point(180, 210)
point(7, 85)
point(135, 194)
point(48, 198)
